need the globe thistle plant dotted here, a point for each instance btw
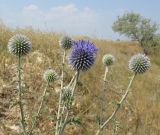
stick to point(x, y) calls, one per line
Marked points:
point(108, 59)
point(65, 42)
point(83, 55)
point(139, 63)
point(19, 45)
point(50, 75)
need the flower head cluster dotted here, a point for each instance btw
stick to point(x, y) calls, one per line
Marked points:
point(50, 75)
point(83, 55)
point(108, 59)
point(19, 45)
point(139, 63)
point(65, 42)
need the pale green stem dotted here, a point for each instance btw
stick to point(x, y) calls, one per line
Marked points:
point(118, 106)
point(67, 113)
point(60, 97)
point(39, 110)
point(75, 83)
point(102, 96)
point(72, 80)
point(22, 118)
point(62, 74)
point(63, 108)
point(64, 123)
point(105, 74)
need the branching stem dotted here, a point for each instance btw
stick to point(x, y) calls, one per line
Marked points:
point(63, 125)
point(102, 96)
point(39, 110)
point(60, 97)
point(118, 106)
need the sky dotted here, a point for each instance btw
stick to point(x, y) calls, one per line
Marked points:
point(92, 18)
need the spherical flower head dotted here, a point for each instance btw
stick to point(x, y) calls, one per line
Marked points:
point(108, 59)
point(139, 63)
point(19, 45)
point(83, 55)
point(66, 42)
point(50, 75)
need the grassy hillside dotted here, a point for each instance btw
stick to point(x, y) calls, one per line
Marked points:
point(139, 115)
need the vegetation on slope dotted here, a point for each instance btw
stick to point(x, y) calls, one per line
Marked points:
point(139, 114)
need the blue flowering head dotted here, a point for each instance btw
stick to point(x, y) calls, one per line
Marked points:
point(83, 55)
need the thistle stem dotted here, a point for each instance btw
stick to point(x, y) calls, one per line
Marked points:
point(105, 74)
point(39, 110)
point(60, 97)
point(63, 108)
point(118, 106)
point(22, 118)
point(62, 74)
point(72, 80)
point(63, 125)
point(102, 96)
point(75, 83)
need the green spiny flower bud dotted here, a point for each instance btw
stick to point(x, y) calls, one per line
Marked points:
point(19, 45)
point(66, 42)
point(50, 75)
point(67, 97)
point(108, 59)
point(139, 63)
point(66, 93)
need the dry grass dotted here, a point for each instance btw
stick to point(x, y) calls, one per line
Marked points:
point(138, 116)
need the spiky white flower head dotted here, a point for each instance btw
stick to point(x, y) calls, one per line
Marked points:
point(65, 42)
point(50, 75)
point(139, 63)
point(108, 59)
point(19, 45)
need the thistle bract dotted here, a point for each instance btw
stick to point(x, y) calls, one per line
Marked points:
point(19, 45)
point(108, 60)
point(50, 75)
point(65, 42)
point(83, 55)
point(139, 63)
